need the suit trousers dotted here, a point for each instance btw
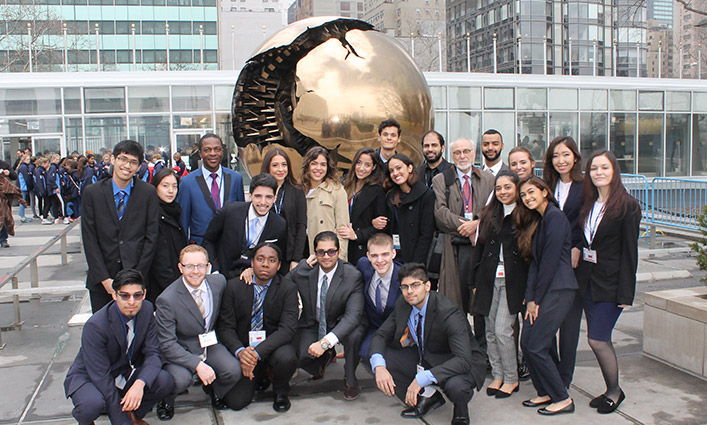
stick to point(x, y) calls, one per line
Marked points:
point(352, 357)
point(311, 365)
point(226, 366)
point(464, 254)
point(99, 297)
point(499, 336)
point(89, 403)
point(278, 368)
point(537, 339)
point(568, 340)
point(402, 365)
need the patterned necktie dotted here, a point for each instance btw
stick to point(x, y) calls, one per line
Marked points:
point(131, 333)
point(199, 302)
point(418, 332)
point(256, 321)
point(215, 192)
point(467, 195)
point(379, 296)
point(121, 204)
point(252, 231)
point(322, 307)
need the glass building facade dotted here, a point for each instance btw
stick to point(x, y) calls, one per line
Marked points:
point(108, 35)
point(655, 127)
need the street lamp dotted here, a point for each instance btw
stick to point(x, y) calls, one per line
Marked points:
point(98, 51)
point(66, 55)
point(166, 31)
point(29, 44)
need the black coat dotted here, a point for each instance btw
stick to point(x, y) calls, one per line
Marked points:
point(5, 166)
point(291, 204)
point(368, 204)
point(170, 241)
point(414, 221)
point(613, 277)
point(571, 210)
point(485, 261)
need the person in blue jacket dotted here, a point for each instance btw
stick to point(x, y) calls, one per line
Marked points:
point(40, 186)
point(54, 199)
point(25, 182)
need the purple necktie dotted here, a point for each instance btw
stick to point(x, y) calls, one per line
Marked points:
point(215, 192)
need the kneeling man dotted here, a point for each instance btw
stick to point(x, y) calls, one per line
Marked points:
point(118, 368)
point(427, 340)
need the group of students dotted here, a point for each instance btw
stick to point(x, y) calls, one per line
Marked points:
point(510, 243)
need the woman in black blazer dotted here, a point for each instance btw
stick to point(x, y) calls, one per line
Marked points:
point(411, 207)
point(289, 203)
point(363, 185)
point(563, 174)
point(610, 218)
point(500, 283)
point(171, 237)
point(544, 233)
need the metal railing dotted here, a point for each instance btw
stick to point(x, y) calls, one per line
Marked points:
point(31, 261)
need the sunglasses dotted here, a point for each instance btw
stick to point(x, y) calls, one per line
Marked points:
point(330, 252)
point(137, 296)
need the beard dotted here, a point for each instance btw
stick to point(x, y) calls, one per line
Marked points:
point(435, 159)
point(490, 159)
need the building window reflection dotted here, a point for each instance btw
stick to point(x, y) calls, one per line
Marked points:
point(623, 140)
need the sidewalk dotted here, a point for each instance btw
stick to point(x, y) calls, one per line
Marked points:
point(36, 358)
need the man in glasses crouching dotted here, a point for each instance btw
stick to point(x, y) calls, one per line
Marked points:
point(119, 368)
point(427, 342)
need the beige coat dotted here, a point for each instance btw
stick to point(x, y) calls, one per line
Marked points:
point(447, 218)
point(327, 209)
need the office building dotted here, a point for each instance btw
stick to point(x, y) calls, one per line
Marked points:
point(689, 38)
point(661, 11)
point(661, 51)
point(301, 9)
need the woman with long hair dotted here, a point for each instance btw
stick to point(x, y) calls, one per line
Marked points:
point(521, 162)
point(544, 234)
point(410, 210)
point(364, 189)
point(610, 218)
point(500, 273)
point(327, 207)
point(289, 202)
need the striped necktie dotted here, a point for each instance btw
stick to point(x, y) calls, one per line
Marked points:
point(256, 321)
point(199, 302)
point(121, 204)
point(322, 307)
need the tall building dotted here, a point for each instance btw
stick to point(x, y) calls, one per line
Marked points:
point(660, 54)
point(301, 9)
point(554, 36)
point(420, 25)
point(689, 38)
point(661, 11)
point(67, 34)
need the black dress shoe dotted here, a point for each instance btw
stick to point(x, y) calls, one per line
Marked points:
point(503, 394)
point(165, 411)
point(460, 420)
point(262, 385)
point(608, 405)
point(281, 403)
point(567, 409)
point(530, 403)
point(216, 402)
point(596, 401)
point(491, 391)
point(352, 393)
point(424, 405)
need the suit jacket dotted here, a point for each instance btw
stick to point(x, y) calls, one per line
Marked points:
point(280, 312)
point(102, 356)
point(179, 321)
point(613, 277)
point(164, 268)
point(571, 210)
point(344, 301)
point(111, 245)
point(551, 268)
point(294, 211)
point(368, 204)
point(374, 317)
point(197, 205)
point(225, 238)
point(450, 349)
point(415, 223)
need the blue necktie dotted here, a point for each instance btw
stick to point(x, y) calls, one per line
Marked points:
point(252, 231)
point(256, 321)
point(322, 307)
point(379, 296)
point(121, 204)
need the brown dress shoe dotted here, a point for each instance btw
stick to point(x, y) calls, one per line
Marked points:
point(134, 420)
point(351, 393)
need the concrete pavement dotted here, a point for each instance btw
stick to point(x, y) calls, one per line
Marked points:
point(36, 358)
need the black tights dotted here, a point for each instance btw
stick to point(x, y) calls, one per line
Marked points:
point(606, 356)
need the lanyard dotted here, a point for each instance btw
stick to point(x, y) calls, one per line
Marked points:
point(278, 207)
point(593, 226)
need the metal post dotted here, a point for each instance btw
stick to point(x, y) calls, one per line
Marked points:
point(201, 45)
point(594, 71)
point(680, 66)
point(132, 30)
point(495, 55)
point(660, 58)
point(439, 50)
point(64, 250)
point(468, 52)
point(412, 45)
point(29, 44)
point(570, 55)
point(545, 55)
point(16, 304)
point(520, 56)
point(651, 237)
point(699, 61)
point(166, 30)
point(638, 59)
point(233, 46)
point(34, 277)
point(66, 48)
point(98, 51)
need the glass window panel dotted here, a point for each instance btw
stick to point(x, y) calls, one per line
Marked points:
point(465, 125)
point(650, 144)
point(699, 102)
point(34, 125)
point(439, 97)
point(223, 95)
point(593, 100)
point(47, 145)
point(72, 100)
point(623, 140)
point(592, 133)
point(224, 128)
point(623, 100)
point(440, 125)
point(504, 122)
point(677, 144)
point(191, 98)
point(678, 101)
point(153, 133)
point(532, 132)
point(191, 121)
point(563, 124)
point(464, 97)
point(563, 99)
point(498, 98)
point(699, 145)
point(105, 132)
point(532, 99)
point(34, 101)
point(148, 99)
point(104, 99)
point(650, 101)
point(74, 135)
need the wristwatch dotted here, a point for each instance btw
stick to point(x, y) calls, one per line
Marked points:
point(325, 344)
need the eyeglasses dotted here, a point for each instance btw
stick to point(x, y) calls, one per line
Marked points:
point(137, 296)
point(191, 267)
point(466, 152)
point(330, 252)
point(125, 160)
point(411, 287)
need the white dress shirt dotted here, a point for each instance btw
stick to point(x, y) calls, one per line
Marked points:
point(206, 297)
point(219, 179)
point(331, 337)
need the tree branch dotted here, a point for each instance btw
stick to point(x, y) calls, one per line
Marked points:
point(687, 5)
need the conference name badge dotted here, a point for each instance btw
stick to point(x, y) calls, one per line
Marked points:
point(500, 271)
point(256, 337)
point(420, 368)
point(589, 255)
point(396, 241)
point(208, 339)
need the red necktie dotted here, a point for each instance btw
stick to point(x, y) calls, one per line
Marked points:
point(467, 195)
point(215, 192)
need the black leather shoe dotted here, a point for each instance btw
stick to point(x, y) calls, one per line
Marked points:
point(424, 405)
point(503, 394)
point(596, 401)
point(530, 403)
point(216, 402)
point(460, 420)
point(608, 405)
point(165, 411)
point(567, 409)
point(491, 391)
point(281, 403)
point(262, 385)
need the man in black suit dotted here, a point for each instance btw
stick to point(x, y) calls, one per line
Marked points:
point(434, 163)
point(239, 226)
point(332, 302)
point(119, 368)
point(408, 356)
point(119, 224)
point(491, 148)
point(261, 333)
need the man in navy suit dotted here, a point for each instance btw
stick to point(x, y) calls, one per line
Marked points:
point(119, 367)
point(207, 189)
